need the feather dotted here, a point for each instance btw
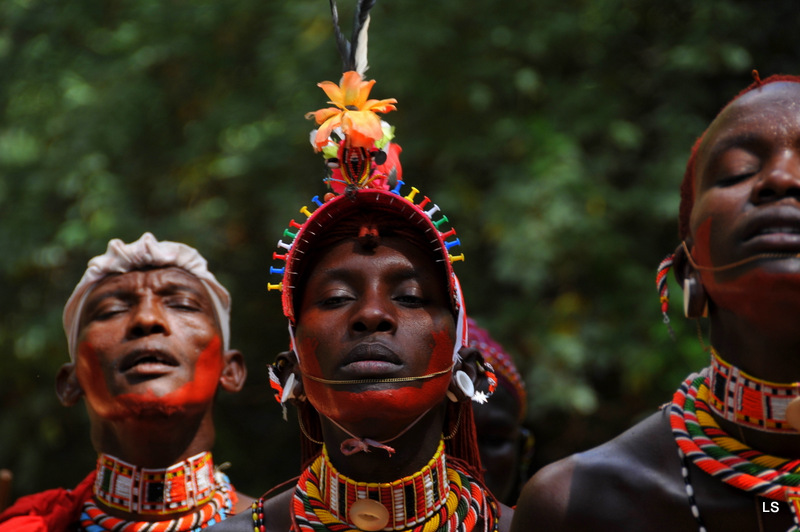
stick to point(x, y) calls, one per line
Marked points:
point(354, 51)
point(341, 43)
point(360, 50)
point(358, 47)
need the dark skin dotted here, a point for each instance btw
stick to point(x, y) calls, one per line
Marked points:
point(149, 363)
point(747, 202)
point(498, 428)
point(391, 295)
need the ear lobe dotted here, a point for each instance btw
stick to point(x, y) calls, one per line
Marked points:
point(287, 370)
point(68, 389)
point(466, 377)
point(681, 266)
point(234, 373)
point(695, 300)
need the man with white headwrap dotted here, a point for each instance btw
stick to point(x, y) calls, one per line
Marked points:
point(148, 333)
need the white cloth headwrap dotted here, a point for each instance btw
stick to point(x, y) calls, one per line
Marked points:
point(145, 252)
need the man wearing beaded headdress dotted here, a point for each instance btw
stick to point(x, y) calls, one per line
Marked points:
point(505, 444)
point(148, 330)
point(724, 454)
point(380, 370)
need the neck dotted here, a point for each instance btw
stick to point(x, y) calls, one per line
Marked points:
point(768, 353)
point(154, 441)
point(155, 492)
point(412, 449)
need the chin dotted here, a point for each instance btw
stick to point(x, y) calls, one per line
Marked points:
point(399, 406)
point(768, 296)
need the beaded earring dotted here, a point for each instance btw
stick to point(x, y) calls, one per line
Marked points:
point(663, 289)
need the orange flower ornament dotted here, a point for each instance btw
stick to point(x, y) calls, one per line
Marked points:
point(354, 113)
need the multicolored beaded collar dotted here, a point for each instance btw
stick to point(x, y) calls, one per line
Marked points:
point(748, 401)
point(159, 492)
point(221, 505)
point(412, 500)
point(439, 498)
point(701, 442)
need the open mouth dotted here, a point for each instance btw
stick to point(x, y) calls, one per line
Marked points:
point(147, 361)
point(774, 230)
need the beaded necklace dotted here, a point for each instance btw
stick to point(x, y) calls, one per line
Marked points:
point(191, 484)
point(439, 498)
point(749, 401)
point(701, 441)
point(176, 489)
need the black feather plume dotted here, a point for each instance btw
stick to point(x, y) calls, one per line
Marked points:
point(354, 51)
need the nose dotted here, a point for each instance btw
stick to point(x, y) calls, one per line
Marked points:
point(781, 178)
point(148, 318)
point(375, 313)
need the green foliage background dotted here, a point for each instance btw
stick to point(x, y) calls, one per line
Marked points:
point(553, 133)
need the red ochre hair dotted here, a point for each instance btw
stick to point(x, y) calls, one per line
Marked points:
point(687, 186)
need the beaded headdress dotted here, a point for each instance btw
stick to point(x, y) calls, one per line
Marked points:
point(363, 173)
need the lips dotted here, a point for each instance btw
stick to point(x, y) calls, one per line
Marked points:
point(371, 359)
point(776, 230)
point(147, 361)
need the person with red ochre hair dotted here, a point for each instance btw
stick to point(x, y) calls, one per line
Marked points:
point(724, 454)
point(148, 330)
point(381, 372)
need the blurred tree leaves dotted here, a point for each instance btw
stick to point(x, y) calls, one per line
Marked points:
point(553, 134)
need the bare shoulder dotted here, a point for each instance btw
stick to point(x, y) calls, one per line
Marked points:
point(544, 500)
point(276, 516)
point(506, 514)
point(606, 487)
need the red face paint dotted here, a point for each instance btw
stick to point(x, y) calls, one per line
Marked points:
point(754, 291)
point(171, 393)
point(400, 402)
point(392, 296)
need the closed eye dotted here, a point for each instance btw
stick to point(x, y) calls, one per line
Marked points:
point(733, 179)
point(411, 301)
point(106, 312)
point(186, 304)
point(335, 300)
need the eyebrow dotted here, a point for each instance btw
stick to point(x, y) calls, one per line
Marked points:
point(169, 288)
point(398, 274)
point(745, 139)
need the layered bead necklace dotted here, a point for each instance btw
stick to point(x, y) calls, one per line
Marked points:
point(701, 441)
point(193, 484)
point(440, 497)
